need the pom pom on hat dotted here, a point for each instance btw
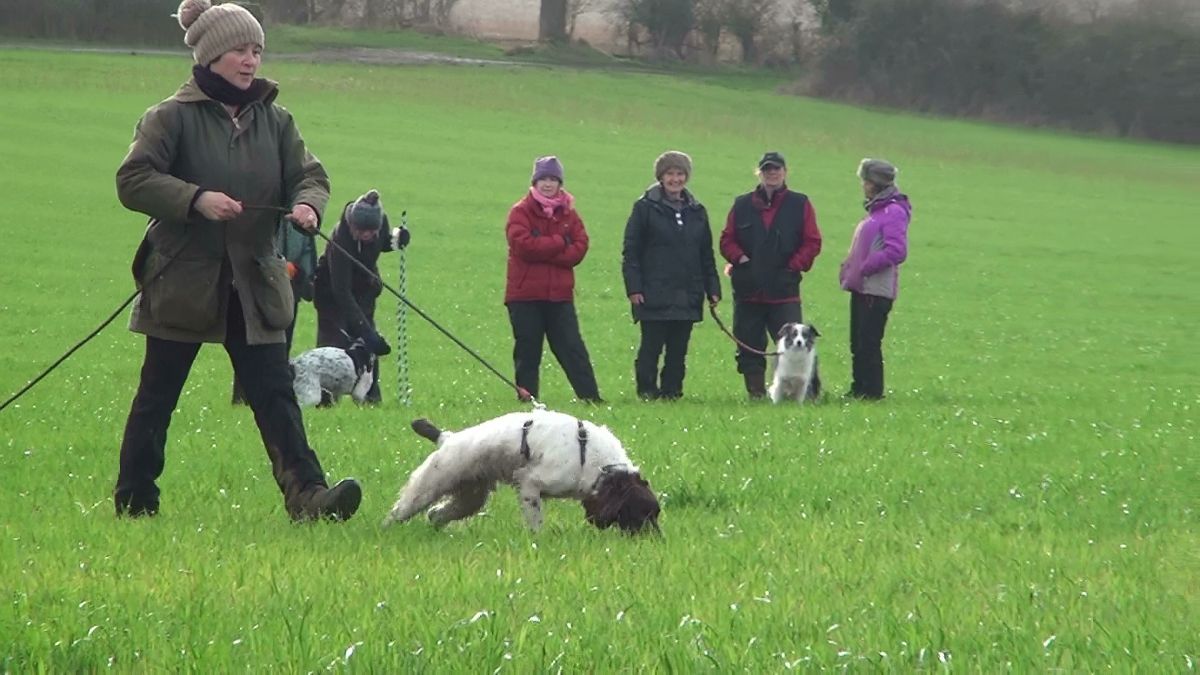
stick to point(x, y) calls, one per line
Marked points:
point(672, 159)
point(366, 213)
point(547, 167)
point(212, 30)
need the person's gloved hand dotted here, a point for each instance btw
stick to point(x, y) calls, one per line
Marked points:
point(400, 238)
point(377, 344)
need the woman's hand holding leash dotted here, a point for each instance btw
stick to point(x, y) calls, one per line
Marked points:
point(304, 216)
point(217, 206)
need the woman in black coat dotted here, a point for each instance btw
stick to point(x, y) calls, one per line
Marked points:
point(669, 271)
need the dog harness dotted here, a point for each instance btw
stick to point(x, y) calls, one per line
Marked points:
point(526, 451)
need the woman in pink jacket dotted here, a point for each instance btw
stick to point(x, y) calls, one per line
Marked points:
point(871, 272)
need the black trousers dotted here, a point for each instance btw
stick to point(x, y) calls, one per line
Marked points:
point(331, 332)
point(753, 322)
point(263, 372)
point(535, 321)
point(239, 393)
point(674, 336)
point(868, 319)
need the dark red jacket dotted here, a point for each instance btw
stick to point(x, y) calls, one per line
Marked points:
point(543, 252)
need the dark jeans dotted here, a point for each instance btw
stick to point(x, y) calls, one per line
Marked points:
point(674, 335)
point(868, 318)
point(262, 370)
point(331, 332)
point(556, 322)
point(753, 322)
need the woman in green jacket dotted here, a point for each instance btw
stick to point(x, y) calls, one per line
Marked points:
point(213, 166)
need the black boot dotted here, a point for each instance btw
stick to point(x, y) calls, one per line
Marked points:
point(756, 384)
point(336, 503)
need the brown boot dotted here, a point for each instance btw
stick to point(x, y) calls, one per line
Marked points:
point(336, 503)
point(756, 384)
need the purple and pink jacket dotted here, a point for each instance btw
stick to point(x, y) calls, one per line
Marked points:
point(880, 244)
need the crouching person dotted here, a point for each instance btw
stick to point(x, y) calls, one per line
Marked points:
point(344, 293)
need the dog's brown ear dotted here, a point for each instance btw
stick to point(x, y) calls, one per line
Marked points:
point(425, 429)
point(779, 333)
point(816, 333)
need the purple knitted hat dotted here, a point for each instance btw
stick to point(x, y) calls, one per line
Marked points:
point(547, 167)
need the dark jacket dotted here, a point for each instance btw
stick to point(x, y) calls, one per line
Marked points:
point(781, 238)
point(668, 258)
point(543, 252)
point(189, 143)
point(343, 288)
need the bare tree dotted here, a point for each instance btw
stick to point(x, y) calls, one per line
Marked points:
point(576, 8)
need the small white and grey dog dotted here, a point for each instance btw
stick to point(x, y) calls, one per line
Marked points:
point(797, 377)
point(323, 375)
point(542, 454)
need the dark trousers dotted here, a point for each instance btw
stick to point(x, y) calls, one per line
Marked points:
point(868, 318)
point(331, 332)
point(674, 335)
point(239, 393)
point(753, 322)
point(263, 372)
point(556, 322)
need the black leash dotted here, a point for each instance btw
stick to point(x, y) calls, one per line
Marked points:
point(522, 393)
point(94, 333)
point(713, 310)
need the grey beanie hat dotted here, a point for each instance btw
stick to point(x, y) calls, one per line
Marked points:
point(366, 212)
point(877, 171)
point(213, 30)
point(672, 159)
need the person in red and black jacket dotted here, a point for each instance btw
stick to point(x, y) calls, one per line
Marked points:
point(546, 240)
point(770, 239)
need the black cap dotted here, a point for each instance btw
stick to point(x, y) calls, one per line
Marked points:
point(772, 158)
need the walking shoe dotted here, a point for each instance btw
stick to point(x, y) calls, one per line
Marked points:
point(756, 384)
point(336, 503)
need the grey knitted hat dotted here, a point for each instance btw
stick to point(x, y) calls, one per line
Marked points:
point(213, 30)
point(366, 213)
point(877, 171)
point(672, 159)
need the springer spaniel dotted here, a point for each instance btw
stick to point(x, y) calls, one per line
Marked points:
point(541, 454)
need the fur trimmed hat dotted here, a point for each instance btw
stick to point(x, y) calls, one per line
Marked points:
point(672, 159)
point(877, 171)
point(366, 213)
point(547, 167)
point(213, 30)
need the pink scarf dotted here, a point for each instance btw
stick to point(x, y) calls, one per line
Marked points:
point(563, 200)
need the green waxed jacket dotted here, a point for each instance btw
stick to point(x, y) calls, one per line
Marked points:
point(187, 263)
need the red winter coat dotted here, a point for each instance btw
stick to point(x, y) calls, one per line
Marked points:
point(542, 252)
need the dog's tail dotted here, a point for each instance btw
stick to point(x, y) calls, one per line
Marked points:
point(425, 429)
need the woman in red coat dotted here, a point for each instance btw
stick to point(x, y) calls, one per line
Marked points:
point(546, 240)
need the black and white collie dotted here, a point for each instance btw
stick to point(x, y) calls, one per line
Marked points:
point(796, 374)
point(323, 375)
point(542, 454)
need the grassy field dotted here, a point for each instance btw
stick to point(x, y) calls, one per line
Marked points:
point(1024, 500)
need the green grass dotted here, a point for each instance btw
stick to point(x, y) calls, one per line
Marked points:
point(1024, 500)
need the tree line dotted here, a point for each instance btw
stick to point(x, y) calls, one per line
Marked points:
point(1130, 73)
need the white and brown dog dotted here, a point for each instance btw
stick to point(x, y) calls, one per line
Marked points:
point(542, 454)
point(797, 377)
point(323, 375)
